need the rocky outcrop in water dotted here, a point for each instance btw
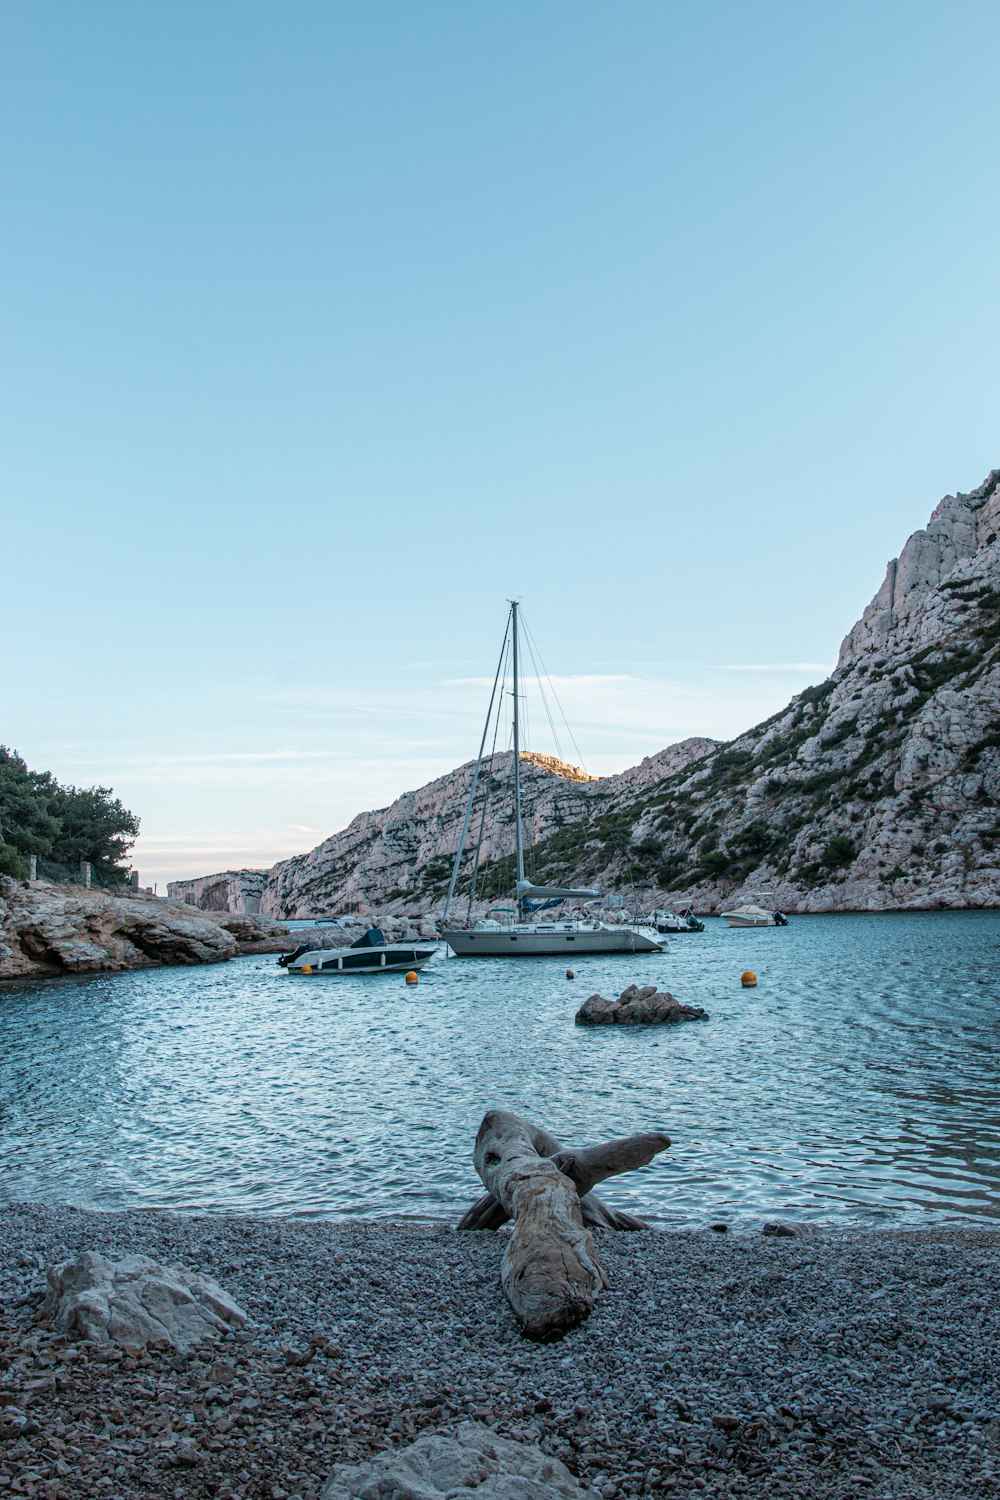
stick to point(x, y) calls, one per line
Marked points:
point(638, 1005)
point(875, 790)
point(58, 929)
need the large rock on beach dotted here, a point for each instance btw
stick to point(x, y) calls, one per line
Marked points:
point(136, 1301)
point(638, 1005)
point(471, 1461)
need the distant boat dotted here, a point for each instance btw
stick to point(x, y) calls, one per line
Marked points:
point(665, 922)
point(508, 932)
point(753, 914)
point(370, 954)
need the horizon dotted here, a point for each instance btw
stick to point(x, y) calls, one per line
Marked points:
point(325, 332)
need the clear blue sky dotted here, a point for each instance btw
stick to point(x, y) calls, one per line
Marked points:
point(326, 327)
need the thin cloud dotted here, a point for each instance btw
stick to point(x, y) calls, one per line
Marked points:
point(824, 667)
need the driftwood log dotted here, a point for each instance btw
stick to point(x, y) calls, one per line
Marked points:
point(551, 1272)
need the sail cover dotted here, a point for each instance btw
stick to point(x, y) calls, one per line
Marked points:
point(526, 890)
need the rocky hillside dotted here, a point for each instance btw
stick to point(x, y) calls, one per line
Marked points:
point(876, 790)
point(399, 859)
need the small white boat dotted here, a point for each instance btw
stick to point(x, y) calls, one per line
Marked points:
point(371, 954)
point(665, 922)
point(753, 914)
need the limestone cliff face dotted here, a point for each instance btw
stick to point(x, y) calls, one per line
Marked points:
point(398, 859)
point(876, 790)
point(233, 890)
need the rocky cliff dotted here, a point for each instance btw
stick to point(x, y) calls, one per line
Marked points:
point(876, 790)
point(56, 929)
point(398, 859)
point(233, 890)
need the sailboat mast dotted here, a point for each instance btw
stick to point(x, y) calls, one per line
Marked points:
point(472, 791)
point(518, 830)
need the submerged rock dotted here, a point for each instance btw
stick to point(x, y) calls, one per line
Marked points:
point(134, 1301)
point(637, 1006)
point(472, 1461)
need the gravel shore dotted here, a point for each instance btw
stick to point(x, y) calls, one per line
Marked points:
point(838, 1363)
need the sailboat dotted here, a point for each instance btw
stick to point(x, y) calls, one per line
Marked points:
point(509, 932)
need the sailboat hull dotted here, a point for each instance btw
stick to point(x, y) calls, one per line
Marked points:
point(515, 942)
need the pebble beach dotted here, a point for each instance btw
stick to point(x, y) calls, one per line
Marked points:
point(832, 1363)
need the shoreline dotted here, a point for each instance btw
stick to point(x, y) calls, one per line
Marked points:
point(748, 1225)
point(843, 1361)
point(91, 968)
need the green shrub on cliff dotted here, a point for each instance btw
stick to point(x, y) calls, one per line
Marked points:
point(63, 824)
point(839, 851)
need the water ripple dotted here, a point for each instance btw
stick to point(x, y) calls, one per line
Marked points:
point(861, 1079)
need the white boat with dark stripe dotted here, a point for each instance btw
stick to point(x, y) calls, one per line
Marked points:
point(370, 954)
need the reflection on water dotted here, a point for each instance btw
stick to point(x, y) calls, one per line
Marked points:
point(860, 1079)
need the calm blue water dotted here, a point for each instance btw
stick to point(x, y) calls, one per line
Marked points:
point(861, 1080)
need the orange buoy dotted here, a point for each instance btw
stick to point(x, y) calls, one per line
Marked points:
point(411, 976)
point(748, 979)
point(306, 969)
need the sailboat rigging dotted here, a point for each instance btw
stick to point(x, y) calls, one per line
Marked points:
point(497, 936)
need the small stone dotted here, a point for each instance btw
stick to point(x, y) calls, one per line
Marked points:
point(185, 1453)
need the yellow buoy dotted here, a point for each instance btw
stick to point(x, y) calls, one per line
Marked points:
point(748, 979)
point(412, 976)
point(306, 968)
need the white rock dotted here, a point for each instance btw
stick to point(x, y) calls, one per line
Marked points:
point(472, 1461)
point(134, 1300)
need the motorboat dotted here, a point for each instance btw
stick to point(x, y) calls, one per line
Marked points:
point(665, 922)
point(369, 954)
point(515, 932)
point(753, 914)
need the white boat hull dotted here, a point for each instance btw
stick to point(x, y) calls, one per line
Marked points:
point(519, 942)
point(338, 962)
point(737, 921)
